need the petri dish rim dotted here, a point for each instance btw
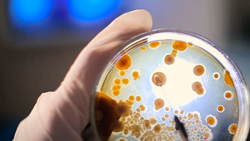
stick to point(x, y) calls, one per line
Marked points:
point(201, 42)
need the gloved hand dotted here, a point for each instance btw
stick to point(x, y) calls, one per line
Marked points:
point(65, 112)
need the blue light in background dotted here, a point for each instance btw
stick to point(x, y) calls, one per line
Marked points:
point(92, 10)
point(30, 11)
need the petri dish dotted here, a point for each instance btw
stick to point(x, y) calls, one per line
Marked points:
point(166, 73)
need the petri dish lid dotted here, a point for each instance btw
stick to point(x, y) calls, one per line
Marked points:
point(168, 73)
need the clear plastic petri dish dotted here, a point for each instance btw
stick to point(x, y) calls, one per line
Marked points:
point(166, 74)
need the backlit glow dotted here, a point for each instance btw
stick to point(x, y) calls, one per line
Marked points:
point(92, 10)
point(30, 11)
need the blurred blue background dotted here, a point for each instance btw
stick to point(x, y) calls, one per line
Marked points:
point(39, 40)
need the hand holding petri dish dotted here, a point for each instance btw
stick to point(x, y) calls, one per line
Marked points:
point(165, 79)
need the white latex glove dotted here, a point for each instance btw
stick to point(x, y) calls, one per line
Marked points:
point(63, 114)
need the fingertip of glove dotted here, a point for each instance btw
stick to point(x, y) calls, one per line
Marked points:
point(140, 20)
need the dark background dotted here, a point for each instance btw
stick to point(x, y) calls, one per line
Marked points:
point(34, 59)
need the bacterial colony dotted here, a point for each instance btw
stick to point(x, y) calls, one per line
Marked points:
point(149, 84)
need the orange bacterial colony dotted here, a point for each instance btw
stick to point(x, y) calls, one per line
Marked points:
point(125, 81)
point(211, 120)
point(154, 44)
point(197, 87)
point(159, 103)
point(180, 45)
point(169, 59)
point(143, 48)
point(136, 75)
point(159, 78)
point(124, 63)
point(228, 95)
point(228, 78)
point(147, 85)
point(232, 128)
point(117, 81)
point(220, 108)
point(199, 70)
point(216, 75)
point(138, 98)
point(122, 73)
